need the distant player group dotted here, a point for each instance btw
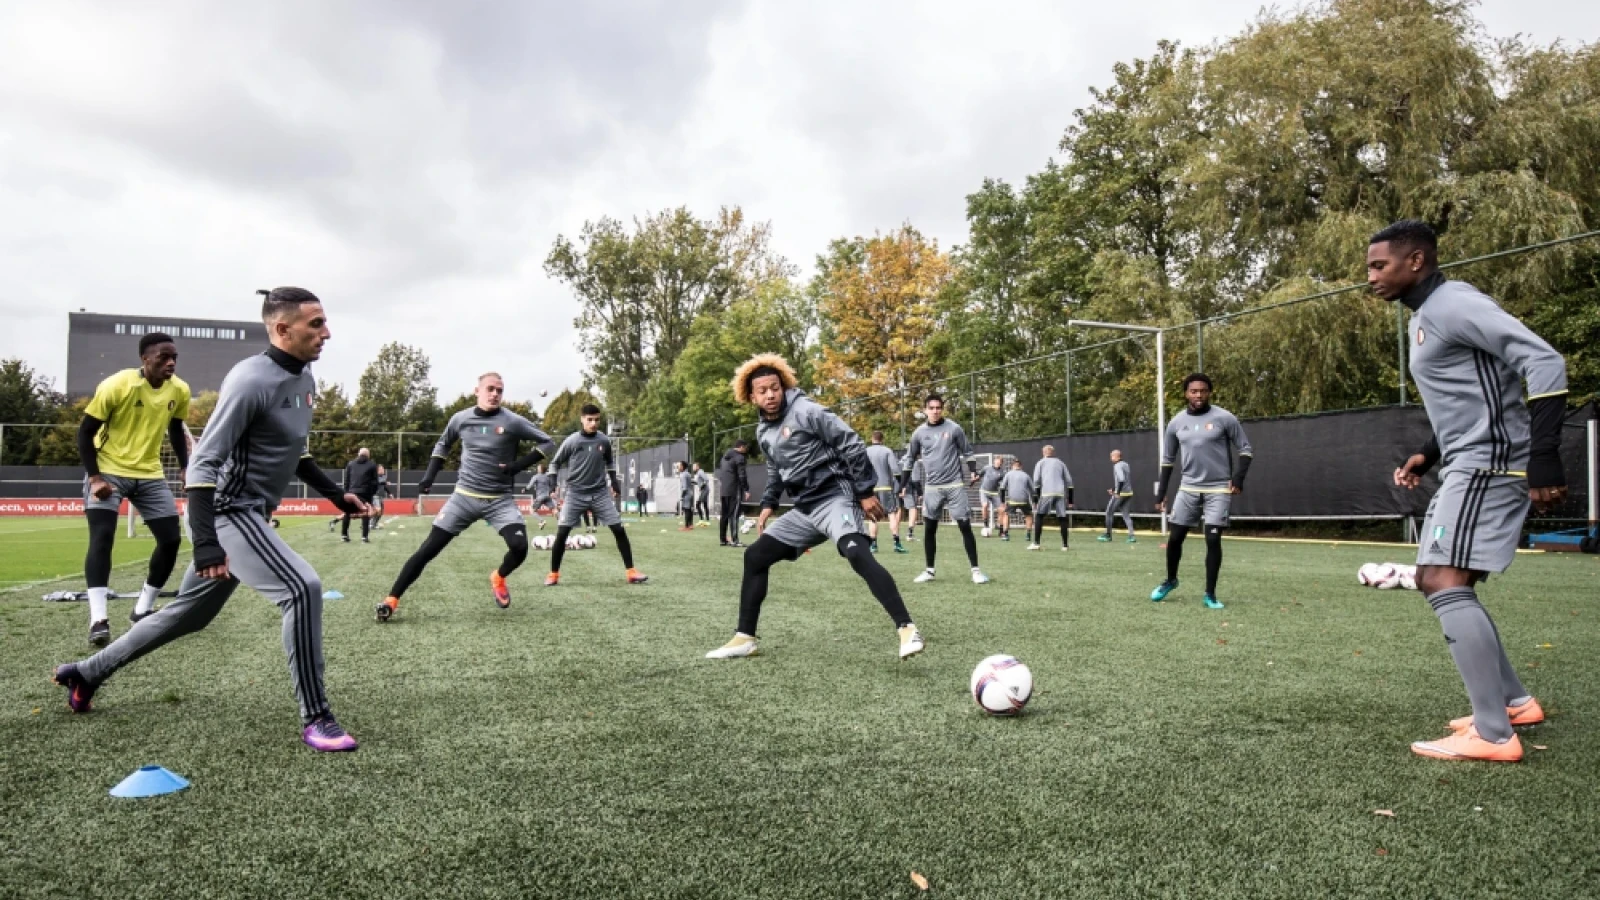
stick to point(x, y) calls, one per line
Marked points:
point(1469, 361)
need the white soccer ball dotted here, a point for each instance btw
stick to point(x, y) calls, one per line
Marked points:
point(748, 526)
point(574, 543)
point(588, 542)
point(1001, 685)
point(1367, 575)
point(985, 531)
point(540, 542)
point(1387, 577)
point(1408, 579)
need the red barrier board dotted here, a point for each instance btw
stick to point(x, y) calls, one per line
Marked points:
point(26, 506)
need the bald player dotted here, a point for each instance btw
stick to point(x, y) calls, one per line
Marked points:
point(1121, 492)
point(490, 437)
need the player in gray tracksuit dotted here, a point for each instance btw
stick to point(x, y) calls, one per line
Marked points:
point(1053, 481)
point(592, 487)
point(685, 494)
point(886, 472)
point(942, 446)
point(1207, 437)
point(819, 461)
point(254, 443)
point(1470, 360)
point(702, 493)
point(1121, 492)
point(989, 490)
point(1017, 492)
point(490, 437)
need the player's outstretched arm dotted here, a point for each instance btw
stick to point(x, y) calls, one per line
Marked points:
point(309, 472)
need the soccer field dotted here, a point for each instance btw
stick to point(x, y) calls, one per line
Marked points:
point(577, 744)
point(34, 550)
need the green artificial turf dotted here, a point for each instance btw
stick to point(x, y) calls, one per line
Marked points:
point(578, 745)
point(36, 550)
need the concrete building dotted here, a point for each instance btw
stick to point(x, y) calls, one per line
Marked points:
point(99, 344)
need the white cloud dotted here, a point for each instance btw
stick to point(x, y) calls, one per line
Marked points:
point(412, 162)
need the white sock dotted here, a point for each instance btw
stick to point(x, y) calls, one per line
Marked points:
point(147, 599)
point(97, 604)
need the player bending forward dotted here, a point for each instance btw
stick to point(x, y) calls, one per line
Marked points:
point(1469, 359)
point(489, 436)
point(814, 456)
point(592, 487)
point(253, 444)
point(119, 442)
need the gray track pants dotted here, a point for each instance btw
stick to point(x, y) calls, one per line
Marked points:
point(1119, 504)
point(259, 558)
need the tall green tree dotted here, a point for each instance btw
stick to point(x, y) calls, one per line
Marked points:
point(695, 397)
point(564, 414)
point(640, 290)
point(396, 395)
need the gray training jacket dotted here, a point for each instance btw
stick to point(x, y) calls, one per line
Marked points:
point(885, 466)
point(812, 454)
point(992, 478)
point(1469, 359)
point(1051, 475)
point(488, 448)
point(587, 459)
point(943, 449)
point(256, 436)
point(1122, 476)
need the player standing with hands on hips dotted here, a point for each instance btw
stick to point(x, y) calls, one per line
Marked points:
point(1469, 361)
point(815, 457)
point(255, 442)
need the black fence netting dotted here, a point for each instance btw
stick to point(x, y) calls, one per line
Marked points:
point(1323, 466)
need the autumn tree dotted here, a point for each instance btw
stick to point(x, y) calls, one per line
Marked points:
point(876, 302)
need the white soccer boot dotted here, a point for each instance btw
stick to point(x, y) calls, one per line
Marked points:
point(741, 645)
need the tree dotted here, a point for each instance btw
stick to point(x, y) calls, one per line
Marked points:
point(396, 396)
point(201, 406)
point(563, 417)
point(695, 397)
point(876, 301)
point(332, 424)
point(641, 292)
point(58, 446)
point(26, 398)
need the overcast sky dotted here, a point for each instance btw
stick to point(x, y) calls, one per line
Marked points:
point(411, 161)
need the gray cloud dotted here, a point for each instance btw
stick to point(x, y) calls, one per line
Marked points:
point(412, 161)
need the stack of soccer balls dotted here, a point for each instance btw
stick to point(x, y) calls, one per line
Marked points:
point(574, 542)
point(1388, 576)
point(1001, 685)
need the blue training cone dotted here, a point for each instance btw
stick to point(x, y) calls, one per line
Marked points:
point(150, 781)
point(332, 595)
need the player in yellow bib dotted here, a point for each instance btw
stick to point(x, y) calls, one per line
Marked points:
point(119, 442)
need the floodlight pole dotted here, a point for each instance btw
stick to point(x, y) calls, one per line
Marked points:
point(1161, 382)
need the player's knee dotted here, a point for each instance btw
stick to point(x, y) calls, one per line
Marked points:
point(167, 534)
point(1214, 536)
point(764, 553)
point(102, 527)
point(311, 591)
